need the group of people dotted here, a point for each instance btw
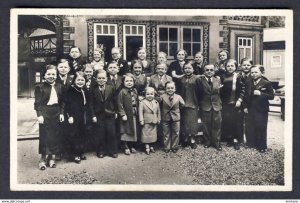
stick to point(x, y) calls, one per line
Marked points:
point(116, 105)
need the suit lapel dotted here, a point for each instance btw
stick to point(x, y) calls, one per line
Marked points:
point(147, 103)
point(166, 99)
point(175, 99)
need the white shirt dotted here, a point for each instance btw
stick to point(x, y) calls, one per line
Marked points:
point(53, 96)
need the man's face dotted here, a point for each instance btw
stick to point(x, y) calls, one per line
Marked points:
point(170, 89)
point(209, 71)
point(75, 53)
point(63, 68)
point(101, 78)
point(113, 69)
point(115, 54)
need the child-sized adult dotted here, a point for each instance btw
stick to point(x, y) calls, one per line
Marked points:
point(148, 66)
point(98, 62)
point(198, 64)
point(76, 61)
point(116, 57)
point(223, 56)
point(49, 108)
point(258, 92)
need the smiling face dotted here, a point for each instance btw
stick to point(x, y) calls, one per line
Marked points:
point(161, 69)
point(63, 68)
point(198, 58)
point(113, 69)
point(137, 69)
point(222, 56)
point(149, 94)
point(88, 72)
point(170, 88)
point(188, 69)
point(230, 67)
point(256, 73)
point(75, 53)
point(101, 78)
point(209, 71)
point(180, 56)
point(79, 81)
point(50, 76)
point(246, 66)
point(142, 54)
point(97, 56)
point(128, 82)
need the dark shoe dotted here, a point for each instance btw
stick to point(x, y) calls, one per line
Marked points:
point(114, 155)
point(193, 145)
point(166, 150)
point(100, 155)
point(219, 148)
point(83, 157)
point(229, 144)
point(236, 146)
point(185, 144)
point(58, 157)
point(174, 150)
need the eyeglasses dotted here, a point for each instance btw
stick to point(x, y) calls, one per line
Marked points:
point(211, 70)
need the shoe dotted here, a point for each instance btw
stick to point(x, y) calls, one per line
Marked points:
point(52, 163)
point(82, 157)
point(42, 165)
point(58, 157)
point(166, 150)
point(236, 146)
point(133, 150)
point(148, 151)
point(127, 152)
point(114, 155)
point(193, 145)
point(152, 150)
point(77, 159)
point(100, 155)
point(174, 150)
point(228, 144)
point(263, 150)
point(219, 148)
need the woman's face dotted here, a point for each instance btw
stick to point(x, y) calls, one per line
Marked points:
point(97, 56)
point(188, 69)
point(198, 58)
point(50, 76)
point(79, 82)
point(180, 56)
point(230, 67)
point(137, 69)
point(223, 56)
point(142, 54)
point(88, 72)
point(128, 82)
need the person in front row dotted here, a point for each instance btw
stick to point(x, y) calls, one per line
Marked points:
point(258, 92)
point(49, 107)
point(170, 117)
point(149, 116)
point(104, 113)
point(211, 106)
point(127, 107)
point(113, 78)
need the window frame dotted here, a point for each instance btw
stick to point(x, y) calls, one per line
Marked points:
point(244, 47)
point(96, 34)
point(125, 35)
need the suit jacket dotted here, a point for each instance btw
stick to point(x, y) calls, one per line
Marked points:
point(159, 85)
point(80, 62)
point(209, 96)
point(198, 70)
point(118, 86)
point(149, 113)
point(259, 103)
point(65, 85)
point(42, 95)
point(92, 85)
point(170, 111)
point(104, 106)
point(149, 69)
point(123, 64)
point(175, 66)
point(226, 90)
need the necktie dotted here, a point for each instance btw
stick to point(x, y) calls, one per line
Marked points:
point(114, 80)
point(75, 65)
point(171, 98)
point(210, 82)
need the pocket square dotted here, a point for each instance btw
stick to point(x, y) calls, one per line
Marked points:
point(263, 88)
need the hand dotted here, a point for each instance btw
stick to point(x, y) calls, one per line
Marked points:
point(174, 74)
point(140, 98)
point(94, 119)
point(61, 118)
point(257, 92)
point(238, 104)
point(41, 119)
point(245, 110)
point(124, 118)
point(142, 122)
point(71, 120)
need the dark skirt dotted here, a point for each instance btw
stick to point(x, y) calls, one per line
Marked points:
point(77, 136)
point(50, 133)
point(190, 121)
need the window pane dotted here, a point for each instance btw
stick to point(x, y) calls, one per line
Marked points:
point(173, 34)
point(196, 48)
point(44, 43)
point(132, 45)
point(187, 35)
point(173, 48)
point(105, 29)
point(134, 30)
point(244, 42)
point(106, 43)
point(196, 35)
point(248, 53)
point(99, 29)
point(112, 29)
point(249, 42)
point(241, 54)
point(163, 47)
point(140, 30)
point(127, 30)
point(163, 34)
point(187, 48)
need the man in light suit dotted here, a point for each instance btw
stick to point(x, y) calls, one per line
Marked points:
point(211, 106)
point(170, 116)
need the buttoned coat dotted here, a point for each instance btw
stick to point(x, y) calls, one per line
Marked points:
point(171, 109)
point(149, 113)
point(65, 85)
point(118, 86)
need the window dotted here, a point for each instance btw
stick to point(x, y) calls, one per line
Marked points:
point(42, 46)
point(133, 38)
point(245, 48)
point(105, 38)
point(275, 61)
point(172, 38)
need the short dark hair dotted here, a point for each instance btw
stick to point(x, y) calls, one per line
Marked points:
point(185, 53)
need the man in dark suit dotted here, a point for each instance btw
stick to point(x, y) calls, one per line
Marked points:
point(211, 106)
point(113, 79)
point(123, 64)
point(103, 111)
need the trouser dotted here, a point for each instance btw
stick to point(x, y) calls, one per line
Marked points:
point(171, 134)
point(212, 127)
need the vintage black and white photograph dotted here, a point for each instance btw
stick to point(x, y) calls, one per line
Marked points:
point(151, 100)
